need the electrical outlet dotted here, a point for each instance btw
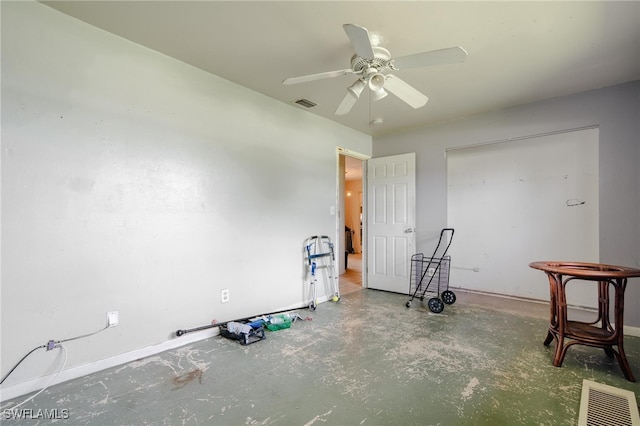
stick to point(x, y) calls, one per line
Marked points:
point(224, 295)
point(112, 318)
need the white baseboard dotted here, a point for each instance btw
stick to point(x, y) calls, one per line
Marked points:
point(631, 331)
point(628, 330)
point(34, 385)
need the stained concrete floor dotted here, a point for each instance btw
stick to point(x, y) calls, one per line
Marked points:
point(366, 360)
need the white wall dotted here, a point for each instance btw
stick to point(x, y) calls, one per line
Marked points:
point(134, 182)
point(615, 110)
point(506, 201)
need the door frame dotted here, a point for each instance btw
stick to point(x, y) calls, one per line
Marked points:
point(340, 194)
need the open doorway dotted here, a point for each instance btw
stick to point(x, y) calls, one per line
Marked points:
point(352, 201)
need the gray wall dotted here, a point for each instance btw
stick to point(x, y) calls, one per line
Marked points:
point(507, 200)
point(134, 182)
point(616, 110)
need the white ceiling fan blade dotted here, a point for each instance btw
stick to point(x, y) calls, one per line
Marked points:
point(318, 76)
point(347, 103)
point(449, 55)
point(360, 40)
point(405, 92)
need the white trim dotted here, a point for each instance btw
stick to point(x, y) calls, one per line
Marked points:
point(363, 242)
point(520, 138)
point(628, 330)
point(33, 385)
point(631, 330)
point(349, 153)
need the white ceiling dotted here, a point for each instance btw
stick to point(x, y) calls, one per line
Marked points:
point(519, 52)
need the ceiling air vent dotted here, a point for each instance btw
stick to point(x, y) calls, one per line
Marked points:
point(607, 405)
point(305, 103)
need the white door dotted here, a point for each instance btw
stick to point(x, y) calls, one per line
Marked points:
point(391, 194)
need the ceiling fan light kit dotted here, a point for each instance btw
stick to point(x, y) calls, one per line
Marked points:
point(376, 95)
point(376, 81)
point(357, 88)
point(371, 62)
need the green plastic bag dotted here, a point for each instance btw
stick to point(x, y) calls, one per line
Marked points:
point(278, 322)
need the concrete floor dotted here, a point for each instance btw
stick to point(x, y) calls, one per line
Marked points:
point(365, 360)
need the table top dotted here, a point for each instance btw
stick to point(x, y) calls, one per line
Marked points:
point(586, 269)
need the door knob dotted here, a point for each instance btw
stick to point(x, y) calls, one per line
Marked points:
point(408, 230)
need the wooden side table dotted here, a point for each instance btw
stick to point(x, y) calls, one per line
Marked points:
point(600, 333)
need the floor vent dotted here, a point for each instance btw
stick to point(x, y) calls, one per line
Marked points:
point(603, 405)
point(305, 103)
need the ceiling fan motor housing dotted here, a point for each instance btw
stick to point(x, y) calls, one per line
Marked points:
point(380, 60)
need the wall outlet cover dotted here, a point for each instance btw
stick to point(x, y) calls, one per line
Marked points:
point(112, 318)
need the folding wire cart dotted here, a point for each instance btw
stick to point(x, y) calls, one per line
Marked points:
point(319, 254)
point(430, 272)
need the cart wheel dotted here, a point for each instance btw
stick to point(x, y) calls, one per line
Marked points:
point(448, 297)
point(312, 306)
point(435, 305)
point(408, 304)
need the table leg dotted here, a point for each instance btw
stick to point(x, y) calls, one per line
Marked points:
point(620, 285)
point(607, 331)
point(624, 364)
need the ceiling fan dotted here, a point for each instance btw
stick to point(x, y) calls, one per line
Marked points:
point(371, 62)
